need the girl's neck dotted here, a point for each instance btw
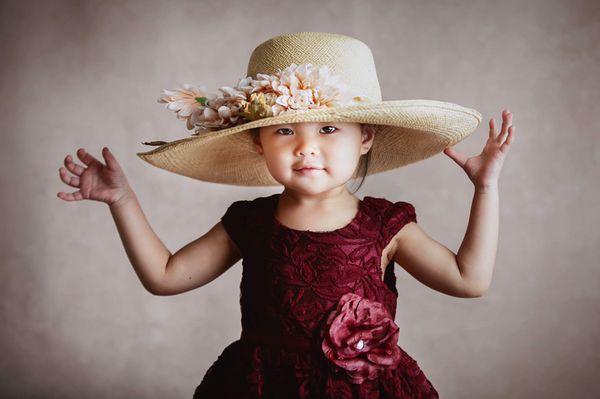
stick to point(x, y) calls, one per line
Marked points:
point(316, 212)
point(327, 199)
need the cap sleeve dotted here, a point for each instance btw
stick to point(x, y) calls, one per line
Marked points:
point(396, 216)
point(234, 221)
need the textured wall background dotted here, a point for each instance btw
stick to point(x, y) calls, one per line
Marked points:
point(78, 323)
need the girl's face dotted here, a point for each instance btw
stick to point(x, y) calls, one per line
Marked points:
point(332, 148)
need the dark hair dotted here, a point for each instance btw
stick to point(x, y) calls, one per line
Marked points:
point(363, 162)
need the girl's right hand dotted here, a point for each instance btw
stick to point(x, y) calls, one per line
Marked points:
point(99, 182)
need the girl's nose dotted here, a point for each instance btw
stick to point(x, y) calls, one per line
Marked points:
point(307, 147)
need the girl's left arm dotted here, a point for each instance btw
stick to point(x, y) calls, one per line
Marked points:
point(477, 253)
point(469, 272)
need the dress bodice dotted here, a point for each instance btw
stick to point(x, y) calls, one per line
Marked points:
point(292, 278)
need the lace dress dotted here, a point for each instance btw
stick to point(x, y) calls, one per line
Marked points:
point(292, 281)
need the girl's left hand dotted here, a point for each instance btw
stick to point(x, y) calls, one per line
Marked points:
point(484, 169)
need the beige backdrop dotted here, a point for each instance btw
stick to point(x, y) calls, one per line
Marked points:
point(76, 320)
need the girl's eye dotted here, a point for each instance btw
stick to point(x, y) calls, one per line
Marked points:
point(284, 129)
point(327, 128)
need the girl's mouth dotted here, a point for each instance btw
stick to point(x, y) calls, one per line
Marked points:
point(308, 171)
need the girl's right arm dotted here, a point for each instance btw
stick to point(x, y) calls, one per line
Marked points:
point(160, 272)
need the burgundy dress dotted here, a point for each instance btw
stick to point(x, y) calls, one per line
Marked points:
point(292, 281)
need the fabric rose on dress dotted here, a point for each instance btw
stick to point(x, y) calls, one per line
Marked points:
point(361, 338)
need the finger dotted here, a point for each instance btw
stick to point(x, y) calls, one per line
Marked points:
point(506, 122)
point(86, 157)
point(506, 145)
point(457, 157)
point(73, 167)
point(70, 196)
point(492, 132)
point(110, 159)
point(72, 181)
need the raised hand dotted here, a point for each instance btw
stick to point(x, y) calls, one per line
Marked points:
point(99, 182)
point(484, 169)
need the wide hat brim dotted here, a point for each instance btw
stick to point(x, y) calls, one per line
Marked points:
point(407, 131)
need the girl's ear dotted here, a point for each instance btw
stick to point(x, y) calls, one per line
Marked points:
point(256, 141)
point(368, 135)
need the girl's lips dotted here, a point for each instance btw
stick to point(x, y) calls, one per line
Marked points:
point(308, 170)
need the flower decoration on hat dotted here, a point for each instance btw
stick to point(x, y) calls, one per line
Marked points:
point(297, 88)
point(361, 338)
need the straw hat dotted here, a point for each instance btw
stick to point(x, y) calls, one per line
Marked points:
point(302, 77)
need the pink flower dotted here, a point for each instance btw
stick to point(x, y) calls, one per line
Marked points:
point(361, 338)
point(186, 102)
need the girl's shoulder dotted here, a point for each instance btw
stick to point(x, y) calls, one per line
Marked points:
point(392, 215)
point(387, 208)
point(244, 217)
point(247, 208)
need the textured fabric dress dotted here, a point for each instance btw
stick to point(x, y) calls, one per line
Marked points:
point(291, 281)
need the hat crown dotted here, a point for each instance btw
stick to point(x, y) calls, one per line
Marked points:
point(347, 57)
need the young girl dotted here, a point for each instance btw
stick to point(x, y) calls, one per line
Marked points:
point(318, 295)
